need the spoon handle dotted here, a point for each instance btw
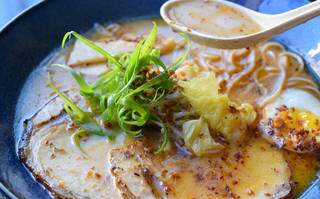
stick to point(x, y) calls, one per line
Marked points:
point(297, 16)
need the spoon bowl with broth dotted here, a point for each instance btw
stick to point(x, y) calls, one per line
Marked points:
point(223, 24)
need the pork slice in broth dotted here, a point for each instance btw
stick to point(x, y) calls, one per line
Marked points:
point(256, 170)
point(48, 153)
point(84, 55)
point(128, 168)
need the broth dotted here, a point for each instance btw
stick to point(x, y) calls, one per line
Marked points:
point(213, 18)
point(183, 171)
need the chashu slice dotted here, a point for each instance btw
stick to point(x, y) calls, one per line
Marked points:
point(131, 177)
point(81, 54)
point(93, 70)
point(47, 152)
point(255, 170)
point(129, 169)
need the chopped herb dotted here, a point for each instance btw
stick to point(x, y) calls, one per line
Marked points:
point(126, 94)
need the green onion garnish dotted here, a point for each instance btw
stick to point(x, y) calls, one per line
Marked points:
point(123, 96)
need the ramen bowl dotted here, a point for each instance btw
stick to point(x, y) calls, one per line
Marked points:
point(29, 38)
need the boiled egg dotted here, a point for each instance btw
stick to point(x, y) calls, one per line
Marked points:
point(292, 121)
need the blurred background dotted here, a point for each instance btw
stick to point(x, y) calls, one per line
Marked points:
point(10, 8)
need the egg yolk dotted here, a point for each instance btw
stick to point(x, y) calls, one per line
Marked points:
point(298, 119)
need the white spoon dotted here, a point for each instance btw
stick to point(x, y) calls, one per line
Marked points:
point(270, 25)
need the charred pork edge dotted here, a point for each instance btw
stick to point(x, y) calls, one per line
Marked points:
point(23, 149)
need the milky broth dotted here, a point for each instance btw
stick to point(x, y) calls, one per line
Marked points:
point(213, 18)
point(36, 93)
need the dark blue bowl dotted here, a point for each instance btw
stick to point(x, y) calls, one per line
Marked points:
point(34, 34)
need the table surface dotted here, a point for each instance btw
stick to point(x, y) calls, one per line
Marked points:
point(10, 8)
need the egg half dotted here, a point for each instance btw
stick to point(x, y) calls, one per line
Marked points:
point(292, 121)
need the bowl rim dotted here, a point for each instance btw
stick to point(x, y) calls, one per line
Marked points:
point(3, 30)
point(24, 12)
point(29, 10)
